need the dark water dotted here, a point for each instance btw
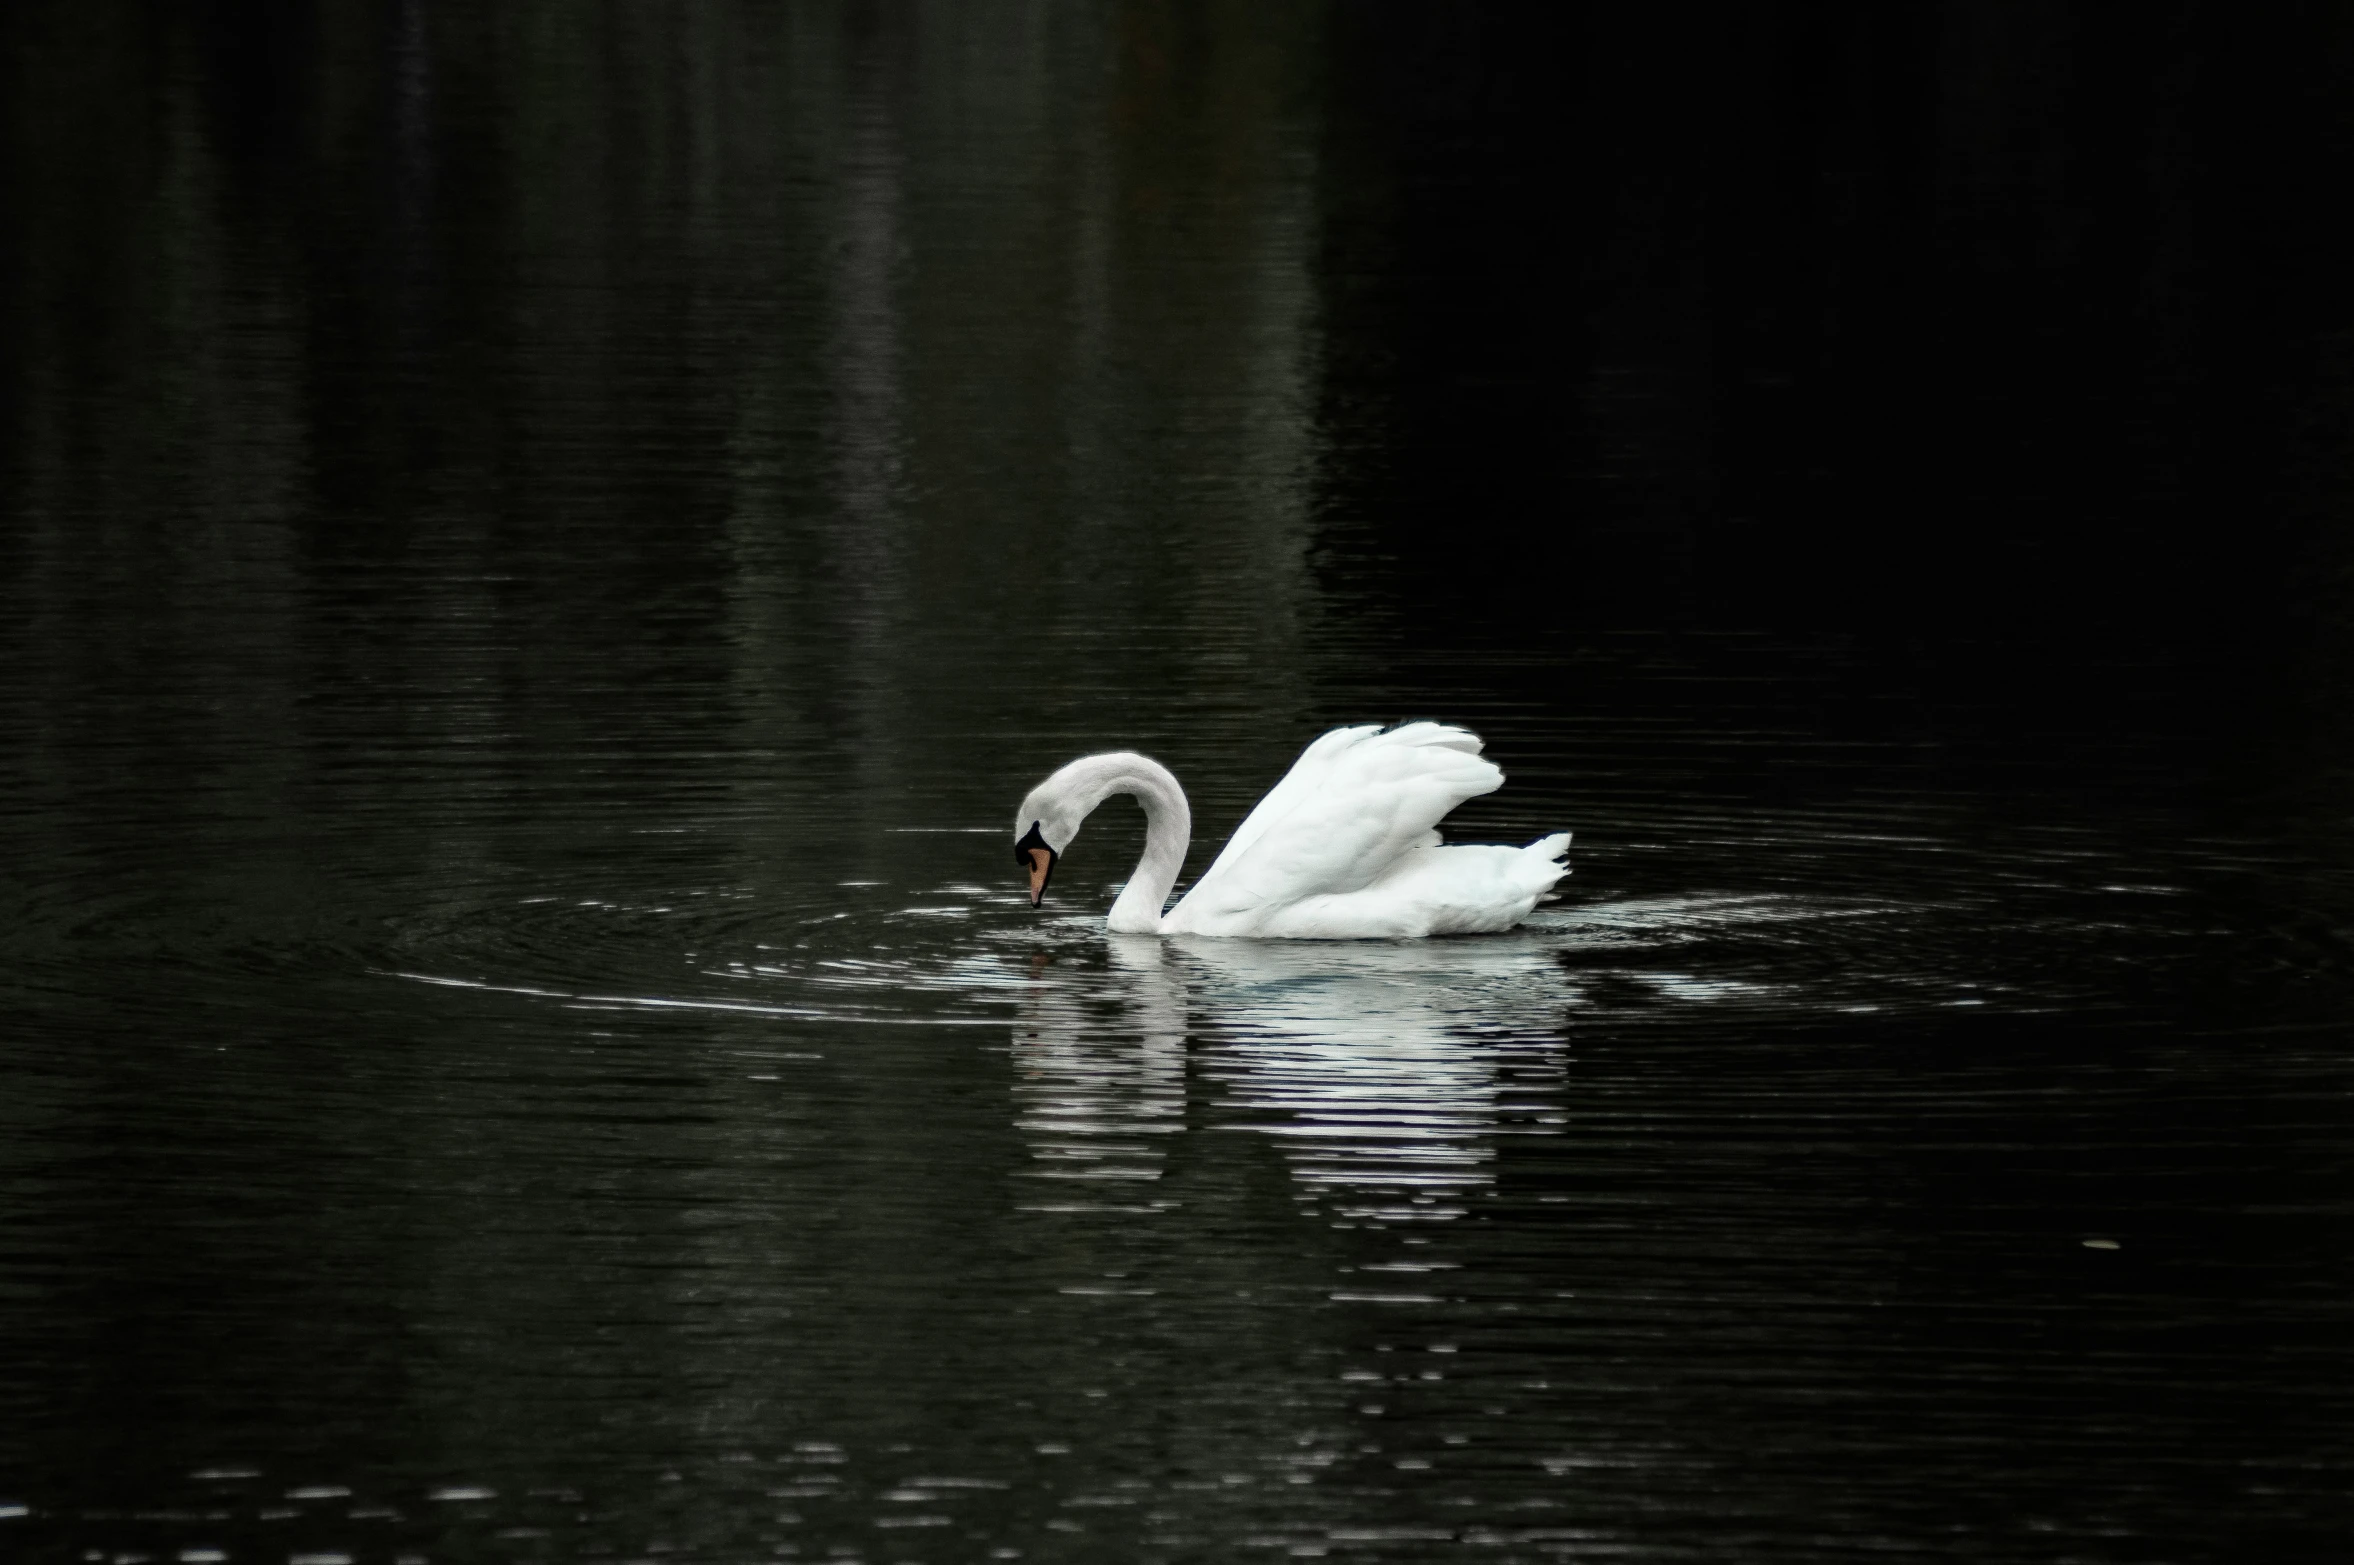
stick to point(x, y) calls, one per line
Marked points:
point(542, 546)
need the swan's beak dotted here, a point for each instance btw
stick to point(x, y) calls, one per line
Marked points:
point(1034, 855)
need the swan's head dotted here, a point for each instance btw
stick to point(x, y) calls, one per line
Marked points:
point(1050, 817)
point(1047, 821)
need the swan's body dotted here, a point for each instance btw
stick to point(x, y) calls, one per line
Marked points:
point(1345, 847)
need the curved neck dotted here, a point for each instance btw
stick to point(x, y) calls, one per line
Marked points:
point(1168, 827)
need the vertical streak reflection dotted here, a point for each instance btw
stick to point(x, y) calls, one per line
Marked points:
point(865, 350)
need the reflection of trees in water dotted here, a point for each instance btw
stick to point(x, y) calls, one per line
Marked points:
point(1385, 1071)
point(759, 353)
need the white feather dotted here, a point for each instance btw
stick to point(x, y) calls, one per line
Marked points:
point(1345, 847)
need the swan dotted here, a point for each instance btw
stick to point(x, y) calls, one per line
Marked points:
point(1345, 847)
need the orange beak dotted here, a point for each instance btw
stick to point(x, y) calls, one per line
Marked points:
point(1041, 871)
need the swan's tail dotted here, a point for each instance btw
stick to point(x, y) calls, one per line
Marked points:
point(1548, 861)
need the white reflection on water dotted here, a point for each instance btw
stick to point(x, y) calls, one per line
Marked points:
point(1384, 1069)
point(1100, 1063)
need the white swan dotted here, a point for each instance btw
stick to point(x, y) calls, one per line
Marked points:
point(1346, 847)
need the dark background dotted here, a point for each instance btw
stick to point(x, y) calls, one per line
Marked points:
point(1987, 321)
point(567, 497)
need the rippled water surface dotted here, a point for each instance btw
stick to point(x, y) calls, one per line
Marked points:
point(542, 549)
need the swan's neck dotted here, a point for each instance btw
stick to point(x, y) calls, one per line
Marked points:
point(1168, 827)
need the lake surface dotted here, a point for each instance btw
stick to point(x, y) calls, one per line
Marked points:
point(541, 551)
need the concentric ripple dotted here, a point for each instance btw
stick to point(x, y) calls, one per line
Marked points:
point(959, 952)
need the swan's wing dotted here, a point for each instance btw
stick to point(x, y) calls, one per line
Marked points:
point(1354, 801)
point(1307, 774)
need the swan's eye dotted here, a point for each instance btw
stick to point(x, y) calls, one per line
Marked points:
point(1032, 840)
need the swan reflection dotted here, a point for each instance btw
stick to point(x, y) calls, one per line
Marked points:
point(1386, 1070)
point(1099, 1057)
